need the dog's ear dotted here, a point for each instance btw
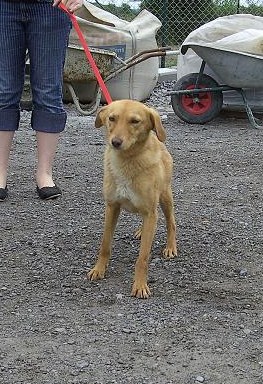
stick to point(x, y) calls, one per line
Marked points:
point(157, 125)
point(100, 118)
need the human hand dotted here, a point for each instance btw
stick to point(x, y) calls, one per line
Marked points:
point(72, 5)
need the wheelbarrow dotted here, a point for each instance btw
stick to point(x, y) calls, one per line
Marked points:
point(197, 98)
point(77, 71)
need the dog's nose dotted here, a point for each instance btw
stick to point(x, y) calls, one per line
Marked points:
point(116, 142)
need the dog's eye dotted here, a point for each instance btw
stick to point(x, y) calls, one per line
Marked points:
point(111, 118)
point(135, 121)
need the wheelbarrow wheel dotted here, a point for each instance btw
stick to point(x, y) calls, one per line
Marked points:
point(197, 108)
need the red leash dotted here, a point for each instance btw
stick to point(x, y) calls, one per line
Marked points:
point(84, 44)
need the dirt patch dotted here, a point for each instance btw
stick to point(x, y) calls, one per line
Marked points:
point(203, 322)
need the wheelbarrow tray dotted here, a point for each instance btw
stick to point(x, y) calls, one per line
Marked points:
point(78, 73)
point(235, 69)
point(77, 69)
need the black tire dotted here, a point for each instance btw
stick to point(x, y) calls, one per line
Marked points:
point(198, 108)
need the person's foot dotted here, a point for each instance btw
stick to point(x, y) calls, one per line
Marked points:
point(3, 193)
point(44, 180)
point(49, 193)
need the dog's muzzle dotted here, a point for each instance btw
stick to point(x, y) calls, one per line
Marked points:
point(116, 142)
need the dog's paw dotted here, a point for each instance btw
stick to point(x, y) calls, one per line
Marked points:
point(141, 291)
point(96, 274)
point(169, 253)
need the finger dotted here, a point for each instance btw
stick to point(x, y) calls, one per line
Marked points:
point(73, 5)
point(56, 3)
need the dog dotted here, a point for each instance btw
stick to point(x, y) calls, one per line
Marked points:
point(137, 177)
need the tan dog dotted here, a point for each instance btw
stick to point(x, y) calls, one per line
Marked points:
point(137, 176)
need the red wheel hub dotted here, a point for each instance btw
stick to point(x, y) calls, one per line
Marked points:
point(198, 103)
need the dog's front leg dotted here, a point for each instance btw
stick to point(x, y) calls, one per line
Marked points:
point(140, 288)
point(111, 217)
point(166, 201)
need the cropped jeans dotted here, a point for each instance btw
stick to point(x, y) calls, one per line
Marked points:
point(43, 31)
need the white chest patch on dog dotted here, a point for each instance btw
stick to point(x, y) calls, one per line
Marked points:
point(124, 190)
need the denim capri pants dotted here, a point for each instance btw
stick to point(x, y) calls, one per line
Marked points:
point(43, 30)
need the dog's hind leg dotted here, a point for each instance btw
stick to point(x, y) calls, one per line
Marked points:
point(140, 288)
point(166, 202)
point(111, 217)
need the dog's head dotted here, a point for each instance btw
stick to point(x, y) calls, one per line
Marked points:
point(129, 122)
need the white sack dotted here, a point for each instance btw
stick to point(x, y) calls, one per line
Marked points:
point(102, 29)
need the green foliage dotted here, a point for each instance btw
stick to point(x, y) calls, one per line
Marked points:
point(179, 17)
point(225, 7)
point(124, 11)
point(253, 9)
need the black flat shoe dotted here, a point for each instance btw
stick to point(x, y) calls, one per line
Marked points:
point(48, 193)
point(3, 193)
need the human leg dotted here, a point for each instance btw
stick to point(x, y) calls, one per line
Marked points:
point(47, 37)
point(12, 63)
point(47, 146)
point(6, 138)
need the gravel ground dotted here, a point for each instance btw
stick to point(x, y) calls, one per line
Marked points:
point(203, 323)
